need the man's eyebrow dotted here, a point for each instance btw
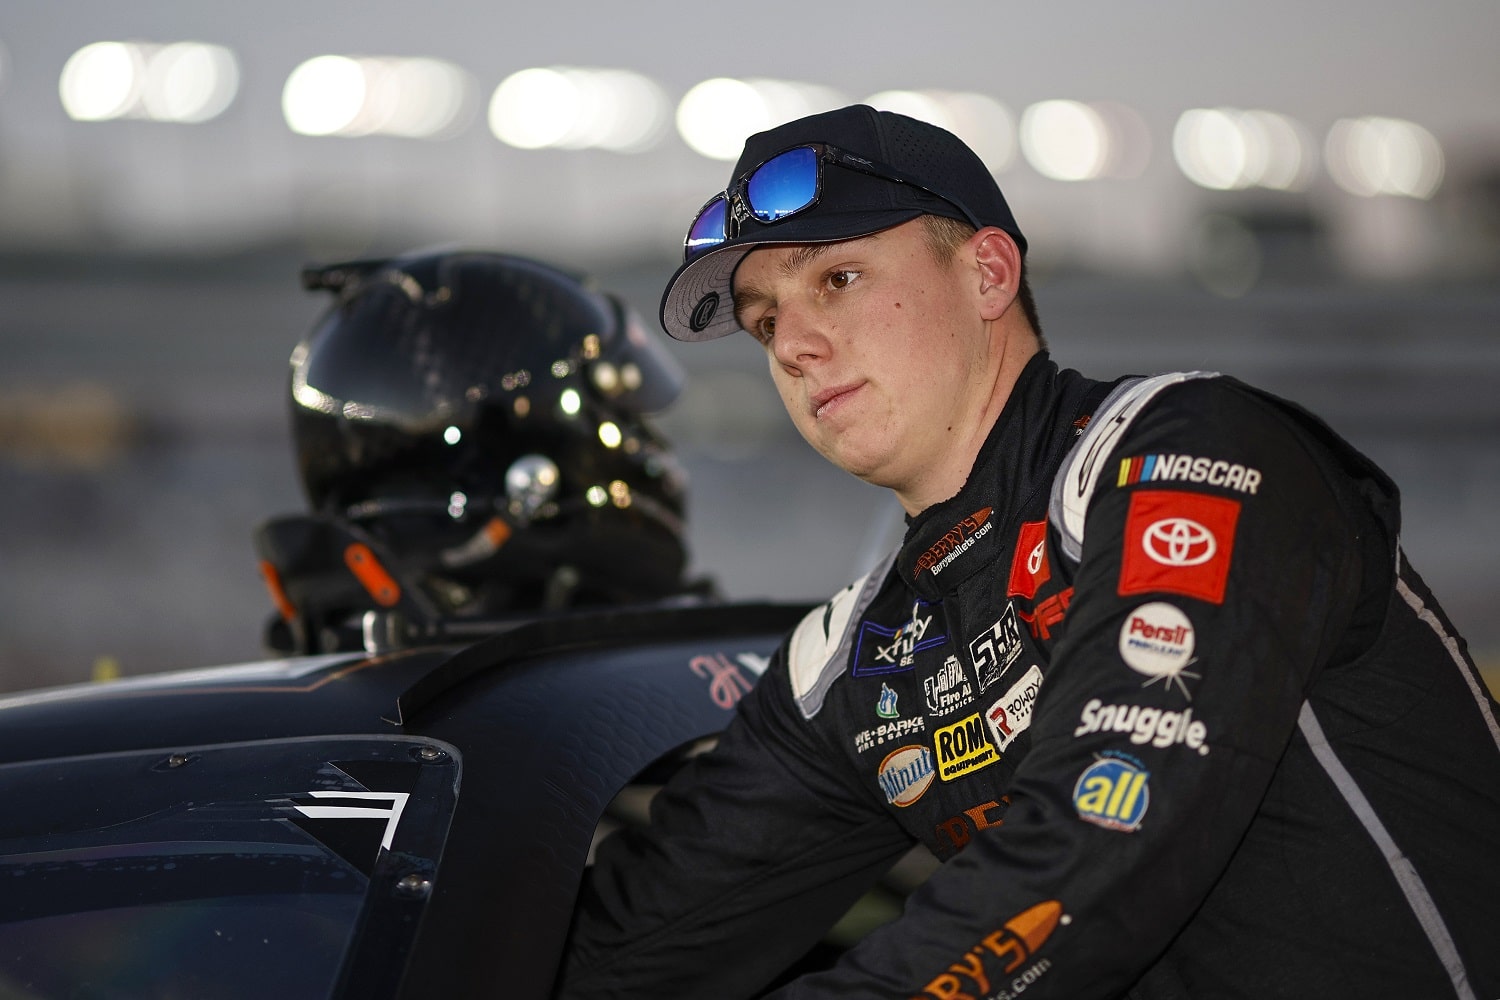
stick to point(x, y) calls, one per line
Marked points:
point(809, 252)
point(746, 296)
point(801, 257)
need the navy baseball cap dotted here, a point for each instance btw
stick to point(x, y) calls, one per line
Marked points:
point(889, 169)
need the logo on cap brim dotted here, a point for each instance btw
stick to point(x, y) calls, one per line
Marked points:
point(703, 312)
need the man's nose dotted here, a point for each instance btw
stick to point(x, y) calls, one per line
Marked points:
point(801, 336)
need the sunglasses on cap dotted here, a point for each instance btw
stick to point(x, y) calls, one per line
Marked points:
point(787, 183)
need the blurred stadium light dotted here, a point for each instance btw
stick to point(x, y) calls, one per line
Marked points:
point(1373, 156)
point(573, 108)
point(715, 116)
point(411, 98)
point(1226, 149)
point(186, 82)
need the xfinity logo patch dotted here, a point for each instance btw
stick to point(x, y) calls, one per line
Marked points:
point(883, 650)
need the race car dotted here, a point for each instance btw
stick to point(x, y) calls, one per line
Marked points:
point(397, 825)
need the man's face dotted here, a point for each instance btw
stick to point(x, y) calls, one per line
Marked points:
point(877, 349)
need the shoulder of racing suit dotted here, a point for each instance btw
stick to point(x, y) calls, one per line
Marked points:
point(1073, 486)
point(818, 651)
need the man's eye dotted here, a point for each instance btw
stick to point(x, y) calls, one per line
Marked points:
point(842, 279)
point(765, 329)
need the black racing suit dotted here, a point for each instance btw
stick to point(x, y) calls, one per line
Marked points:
point(1161, 691)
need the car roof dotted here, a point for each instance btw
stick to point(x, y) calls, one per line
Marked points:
point(549, 719)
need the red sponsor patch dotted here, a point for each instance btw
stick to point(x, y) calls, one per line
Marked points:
point(1047, 614)
point(1029, 568)
point(1178, 542)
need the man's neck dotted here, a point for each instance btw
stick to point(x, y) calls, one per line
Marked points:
point(947, 479)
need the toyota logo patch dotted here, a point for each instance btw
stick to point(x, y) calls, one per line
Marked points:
point(1179, 541)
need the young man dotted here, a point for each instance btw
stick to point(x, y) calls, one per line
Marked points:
point(1150, 672)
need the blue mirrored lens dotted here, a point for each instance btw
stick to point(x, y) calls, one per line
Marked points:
point(786, 183)
point(707, 231)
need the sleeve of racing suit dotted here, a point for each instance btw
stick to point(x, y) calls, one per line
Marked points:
point(1147, 765)
point(754, 850)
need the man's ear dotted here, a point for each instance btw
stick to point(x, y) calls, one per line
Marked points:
point(999, 263)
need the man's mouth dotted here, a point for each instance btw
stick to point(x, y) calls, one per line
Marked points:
point(825, 401)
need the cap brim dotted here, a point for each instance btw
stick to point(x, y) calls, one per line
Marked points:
point(698, 303)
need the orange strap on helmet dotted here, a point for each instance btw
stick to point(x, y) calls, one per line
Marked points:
point(284, 606)
point(371, 575)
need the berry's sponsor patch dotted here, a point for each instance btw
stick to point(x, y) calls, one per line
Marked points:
point(1178, 542)
point(998, 957)
point(955, 542)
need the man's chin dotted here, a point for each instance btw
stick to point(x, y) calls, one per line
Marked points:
point(862, 467)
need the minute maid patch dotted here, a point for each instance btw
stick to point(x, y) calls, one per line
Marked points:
point(1113, 792)
point(881, 649)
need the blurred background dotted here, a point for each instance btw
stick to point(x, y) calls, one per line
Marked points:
point(1307, 196)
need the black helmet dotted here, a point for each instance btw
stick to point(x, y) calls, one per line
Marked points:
point(478, 420)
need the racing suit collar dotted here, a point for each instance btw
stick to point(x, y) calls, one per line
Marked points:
point(950, 541)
